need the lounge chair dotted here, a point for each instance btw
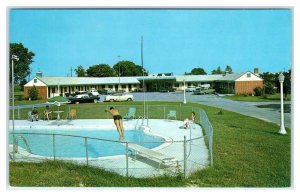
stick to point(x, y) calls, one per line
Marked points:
point(49, 115)
point(172, 114)
point(130, 114)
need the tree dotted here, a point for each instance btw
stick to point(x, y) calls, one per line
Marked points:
point(269, 88)
point(22, 83)
point(128, 68)
point(101, 70)
point(21, 67)
point(269, 77)
point(197, 71)
point(217, 71)
point(228, 69)
point(80, 72)
point(287, 84)
point(33, 93)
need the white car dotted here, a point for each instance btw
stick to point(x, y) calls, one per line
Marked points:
point(119, 97)
point(190, 89)
point(94, 92)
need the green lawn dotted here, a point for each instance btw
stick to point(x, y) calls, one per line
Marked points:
point(269, 98)
point(247, 152)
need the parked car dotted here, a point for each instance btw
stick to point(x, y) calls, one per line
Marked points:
point(202, 91)
point(190, 89)
point(84, 98)
point(166, 90)
point(94, 92)
point(119, 97)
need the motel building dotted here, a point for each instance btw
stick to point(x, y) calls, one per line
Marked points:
point(236, 83)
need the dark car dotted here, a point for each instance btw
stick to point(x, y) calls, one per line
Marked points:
point(84, 98)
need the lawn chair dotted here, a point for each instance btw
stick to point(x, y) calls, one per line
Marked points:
point(172, 114)
point(73, 114)
point(32, 117)
point(130, 114)
point(47, 113)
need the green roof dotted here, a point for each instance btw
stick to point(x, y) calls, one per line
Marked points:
point(54, 81)
point(230, 77)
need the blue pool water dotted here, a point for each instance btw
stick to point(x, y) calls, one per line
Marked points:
point(75, 147)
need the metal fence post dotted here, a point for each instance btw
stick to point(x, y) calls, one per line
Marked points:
point(106, 112)
point(127, 159)
point(184, 157)
point(53, 136)
point(18, 112)
point(86, 151)
point(180, 112)
point(164, 111)
point(210, 147)
point(147, 115)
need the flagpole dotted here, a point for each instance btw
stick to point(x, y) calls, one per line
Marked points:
point(142, 59)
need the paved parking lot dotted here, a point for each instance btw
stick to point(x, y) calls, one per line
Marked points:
point(245, 108)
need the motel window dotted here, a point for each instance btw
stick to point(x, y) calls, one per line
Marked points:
point(53, 90)
point(110, 86)
point(103, 86)
point(35, 80)
point(176, 84)
point(123, 86)
point(248, 75)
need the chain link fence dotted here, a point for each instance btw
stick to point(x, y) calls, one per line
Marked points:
point(182, 153)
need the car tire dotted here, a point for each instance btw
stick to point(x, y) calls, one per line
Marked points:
point(111, 100)
point(95, 100)
point(129, 99)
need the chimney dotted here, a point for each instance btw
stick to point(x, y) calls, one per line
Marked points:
point(256, 71)
point(39, 74)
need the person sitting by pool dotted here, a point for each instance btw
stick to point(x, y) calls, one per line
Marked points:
point(34, 114)
point(47, 112)
point(187, 121)
point(117, 120)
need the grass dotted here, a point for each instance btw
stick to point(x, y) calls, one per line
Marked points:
point(247, 152)
point(58, 174)
point(276, 107)
point(269, 98)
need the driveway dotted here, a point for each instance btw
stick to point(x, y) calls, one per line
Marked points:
point(245, 108)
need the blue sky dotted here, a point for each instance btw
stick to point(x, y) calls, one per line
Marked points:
point(174, 40)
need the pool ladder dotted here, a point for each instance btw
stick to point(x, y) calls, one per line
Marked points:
point(16, 146)
point(137, 122)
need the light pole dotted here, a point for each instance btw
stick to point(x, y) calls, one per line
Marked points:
point(13, 57)
point(282, 128)
point(184, 98)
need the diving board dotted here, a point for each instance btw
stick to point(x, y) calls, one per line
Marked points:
point(152, 155)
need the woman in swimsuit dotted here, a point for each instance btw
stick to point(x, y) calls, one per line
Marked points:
point(117, 120)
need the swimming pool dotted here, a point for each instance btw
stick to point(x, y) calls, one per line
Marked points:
point(77, 142)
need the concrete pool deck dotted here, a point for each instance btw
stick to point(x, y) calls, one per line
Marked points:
point(197, 152)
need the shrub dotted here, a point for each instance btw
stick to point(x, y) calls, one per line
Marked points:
point(221, 112)
point(265, 96)
point(226, 91)
point(269, 88)
point(33, 93)
point(258, 91)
